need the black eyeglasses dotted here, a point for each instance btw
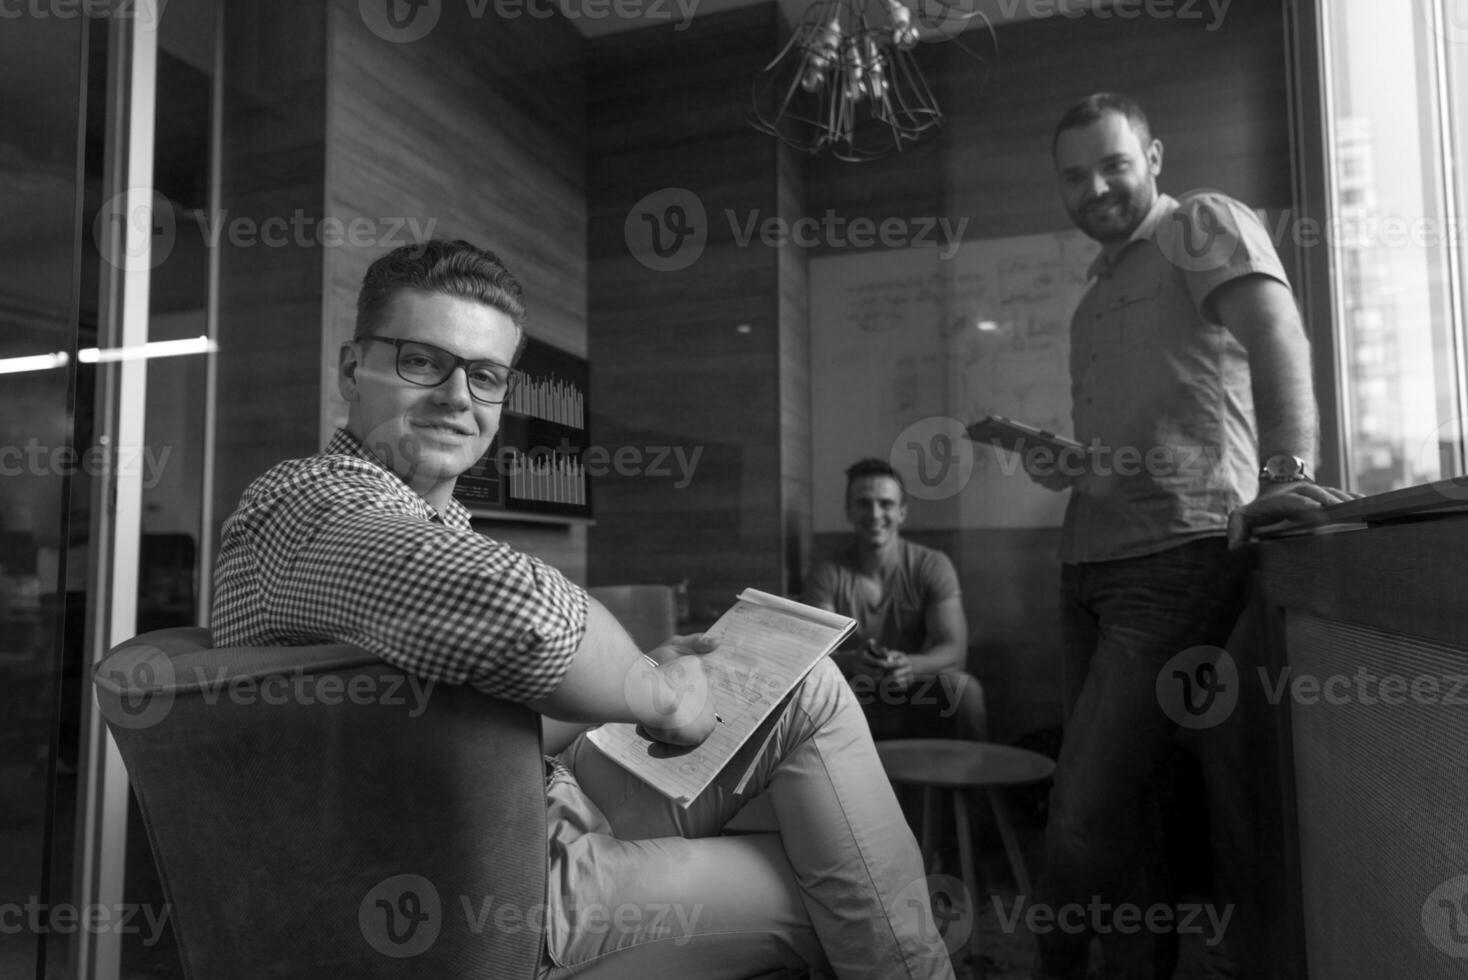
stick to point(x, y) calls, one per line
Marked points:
point(427, 366)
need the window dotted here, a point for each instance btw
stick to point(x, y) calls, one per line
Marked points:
point(1396, 77)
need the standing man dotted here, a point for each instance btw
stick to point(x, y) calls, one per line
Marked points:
point(906, 661)
point(1191, 391)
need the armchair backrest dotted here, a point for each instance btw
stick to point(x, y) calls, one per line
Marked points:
point(647, 612)
point(316, 811)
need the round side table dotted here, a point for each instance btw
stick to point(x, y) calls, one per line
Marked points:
point(955, 765)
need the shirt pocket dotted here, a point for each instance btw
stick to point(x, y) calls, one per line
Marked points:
point(1136, 314)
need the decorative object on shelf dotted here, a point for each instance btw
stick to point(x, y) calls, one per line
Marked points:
point(537, 468)
point(848, 82)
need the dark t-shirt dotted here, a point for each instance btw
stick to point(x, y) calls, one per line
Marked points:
point(920, 578)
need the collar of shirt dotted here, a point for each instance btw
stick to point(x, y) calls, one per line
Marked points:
point(1161, 208)
point(343, 443)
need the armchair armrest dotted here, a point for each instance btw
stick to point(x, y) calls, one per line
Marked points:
point(314, 810)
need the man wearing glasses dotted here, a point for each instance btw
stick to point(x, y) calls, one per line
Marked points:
point(364, 543)
point(432, 444)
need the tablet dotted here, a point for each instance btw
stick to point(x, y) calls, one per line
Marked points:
point(1003, 433)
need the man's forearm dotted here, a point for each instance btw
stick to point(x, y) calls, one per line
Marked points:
point(594, 688)
point(1284, 395)
point(610, 680)
point(555, 735)
point(939, 658)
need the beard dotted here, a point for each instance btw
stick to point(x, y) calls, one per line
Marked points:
point(1113, 216)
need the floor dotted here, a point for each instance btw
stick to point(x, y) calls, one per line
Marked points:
point(1006, 951)
point(1005, 943)
point(1008, 954)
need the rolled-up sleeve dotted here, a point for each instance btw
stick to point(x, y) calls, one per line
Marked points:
point(334, 557)
point(1226, 241)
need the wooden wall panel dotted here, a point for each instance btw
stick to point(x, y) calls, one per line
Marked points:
point(671, 367)
point(274, 125)
point(475, 131)
point(1217, 99)
point(795, 368)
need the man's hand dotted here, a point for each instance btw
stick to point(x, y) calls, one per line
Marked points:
point(1044, 469)
point(874, 661)
point(1281, 502)
point(871, 661)
point(899, 668)
point(694, 644)
point(669, 691)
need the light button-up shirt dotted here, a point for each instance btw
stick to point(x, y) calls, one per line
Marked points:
point(1160, 390)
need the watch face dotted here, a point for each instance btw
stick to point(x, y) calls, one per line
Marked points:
point(1283, 469)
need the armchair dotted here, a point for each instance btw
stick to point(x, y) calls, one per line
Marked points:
point(314, 811)
point(647, 612)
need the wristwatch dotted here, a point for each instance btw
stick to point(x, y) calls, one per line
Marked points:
point(1284, 469)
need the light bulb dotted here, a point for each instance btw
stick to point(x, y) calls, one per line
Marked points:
point(828, 46)
point(876, 81)
point(904, 35)
point(855, 91)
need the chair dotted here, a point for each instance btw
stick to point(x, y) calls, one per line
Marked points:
point(312, 812)
point(308, 817)
point(647, 612)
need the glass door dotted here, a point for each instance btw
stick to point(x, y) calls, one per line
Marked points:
point(105, 139)
point(44, 75)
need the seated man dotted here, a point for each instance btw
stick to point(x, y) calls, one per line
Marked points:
point(364, 543)
point(907, 660)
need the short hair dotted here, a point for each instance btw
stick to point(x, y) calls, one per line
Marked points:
point(1093, 107)
point(871, 466)
point(454, 268)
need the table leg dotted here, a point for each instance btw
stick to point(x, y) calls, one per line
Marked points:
point(1000, 806)
point(970, 879)
point(930, 824)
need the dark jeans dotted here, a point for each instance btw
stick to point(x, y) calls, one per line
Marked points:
point(1122, 622)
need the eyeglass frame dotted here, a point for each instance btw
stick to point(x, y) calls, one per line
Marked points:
point(512, 376)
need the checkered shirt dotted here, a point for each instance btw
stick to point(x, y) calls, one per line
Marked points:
point(336, 548)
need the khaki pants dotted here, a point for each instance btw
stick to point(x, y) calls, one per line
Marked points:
point(642, 888)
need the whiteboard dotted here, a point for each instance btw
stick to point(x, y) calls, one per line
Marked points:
point(908, 347)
